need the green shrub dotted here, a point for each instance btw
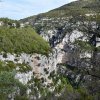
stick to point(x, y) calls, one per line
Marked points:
point(8, 84)
point(21, 98)
point(9, 66)
point(22, 40)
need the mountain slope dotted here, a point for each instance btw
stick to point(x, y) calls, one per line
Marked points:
point(72, 31)
point(72, 70)
point(80, 7)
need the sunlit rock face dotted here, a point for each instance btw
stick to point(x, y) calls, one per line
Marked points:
point(24, 77)
point(41, 65)
point(64, 45)
point(63, 50)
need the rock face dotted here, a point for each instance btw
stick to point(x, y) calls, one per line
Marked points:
point(41, 65)
point(71, 50)
point(72, 46)
point(62, 36)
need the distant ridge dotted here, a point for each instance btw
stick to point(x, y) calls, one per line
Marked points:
point(79, 7)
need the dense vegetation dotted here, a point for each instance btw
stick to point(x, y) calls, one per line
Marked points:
point(8, 84)
point(6, 20)
point(79, 7)
point(15, 40)
point(9, 22)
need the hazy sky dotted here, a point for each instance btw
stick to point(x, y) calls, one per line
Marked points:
point(17, 9)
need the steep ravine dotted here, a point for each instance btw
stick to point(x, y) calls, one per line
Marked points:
point(67, 58)
point(42, 65)
point(68, 69)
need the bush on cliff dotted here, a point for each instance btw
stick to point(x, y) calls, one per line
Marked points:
point(16, 40)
